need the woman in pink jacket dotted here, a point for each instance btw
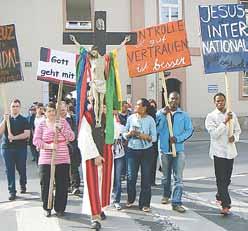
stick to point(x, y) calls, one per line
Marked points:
point(44, 141)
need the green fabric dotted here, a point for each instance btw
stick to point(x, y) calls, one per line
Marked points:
point(111, 102)
point(81, 50)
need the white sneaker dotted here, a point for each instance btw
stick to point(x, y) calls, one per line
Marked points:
point(117, 206)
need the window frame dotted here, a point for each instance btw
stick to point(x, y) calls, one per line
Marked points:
point(179, 6)
point(243, 75)
point(92, 6)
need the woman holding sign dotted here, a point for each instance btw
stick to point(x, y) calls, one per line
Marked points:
point(44, 140)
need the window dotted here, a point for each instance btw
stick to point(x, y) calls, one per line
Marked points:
point(170, 10)
point(129, 89)
point(244, 85)
point(78, 14)
point(245, 3)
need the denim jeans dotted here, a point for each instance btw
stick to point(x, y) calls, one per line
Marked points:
point(118, 167)
point(15, 158)
point(135, 159)
point(176, 165)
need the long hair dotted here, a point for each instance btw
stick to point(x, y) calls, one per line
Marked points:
point(147, 105)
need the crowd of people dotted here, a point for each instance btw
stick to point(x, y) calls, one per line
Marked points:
point(142, 139)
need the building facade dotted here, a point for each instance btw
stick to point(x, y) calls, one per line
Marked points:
point(42, 23)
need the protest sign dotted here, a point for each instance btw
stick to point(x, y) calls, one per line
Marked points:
point(159, 48)
point(10, 66)
point(55, 66)
point(224, 38)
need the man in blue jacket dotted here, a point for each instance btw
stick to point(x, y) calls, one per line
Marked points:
point(182, 130)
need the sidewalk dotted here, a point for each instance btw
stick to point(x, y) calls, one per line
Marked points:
point(204, 136)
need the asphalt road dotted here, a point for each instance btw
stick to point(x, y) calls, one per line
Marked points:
point(25, 214)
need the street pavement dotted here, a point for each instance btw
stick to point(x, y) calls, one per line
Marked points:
point(25, 214)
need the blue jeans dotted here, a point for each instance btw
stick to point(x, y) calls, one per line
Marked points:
point(135, 159)
point(118, 167)
point(176, 165)
point(15, 158)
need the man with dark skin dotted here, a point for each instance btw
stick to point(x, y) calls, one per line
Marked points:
point(220, 103)
point(222, 148)
point(182, 130)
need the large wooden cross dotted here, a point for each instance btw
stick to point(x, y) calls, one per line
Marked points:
point(100, 37)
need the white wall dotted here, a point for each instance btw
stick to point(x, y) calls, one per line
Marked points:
point(118, 20)
point(151, 19)
point(40, 23)
point(199, 101)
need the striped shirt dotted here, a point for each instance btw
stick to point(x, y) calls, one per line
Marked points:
point(44, 136)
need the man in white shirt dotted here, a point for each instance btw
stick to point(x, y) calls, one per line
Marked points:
point(222, 148)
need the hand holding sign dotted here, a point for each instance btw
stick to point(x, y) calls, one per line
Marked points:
point(228, 117)
point(55, 66)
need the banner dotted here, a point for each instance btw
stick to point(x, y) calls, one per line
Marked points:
point(55, 66)
point(224, 38)
point(10, 66)
point(159, 48)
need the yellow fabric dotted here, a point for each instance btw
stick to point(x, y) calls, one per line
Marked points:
point(117, 76)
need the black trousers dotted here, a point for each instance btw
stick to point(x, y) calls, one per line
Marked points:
point(61, 182)
point(75, 157)
point(35, 153)
point(223, 172)
point(154, 162)
point(75, 176)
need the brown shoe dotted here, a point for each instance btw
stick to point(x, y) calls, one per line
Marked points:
point(225, 211)
point(129, 205)
point(146, 209)
point(165, 200)
point(179, 208)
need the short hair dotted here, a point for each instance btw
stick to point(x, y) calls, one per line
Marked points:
point(32, 108)
point(51, 105)
point(16, 101)
point(39, 105)
point(94, 48)
point(219, 94)
point(68, 101)
point(71, 108)
point(174, 92)
point(123, 103)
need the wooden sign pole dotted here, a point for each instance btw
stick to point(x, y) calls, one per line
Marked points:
point(54, 151)
point(161, 75)
point(5, 106)
point(228, 105)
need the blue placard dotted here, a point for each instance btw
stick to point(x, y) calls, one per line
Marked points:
point(224, 38)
